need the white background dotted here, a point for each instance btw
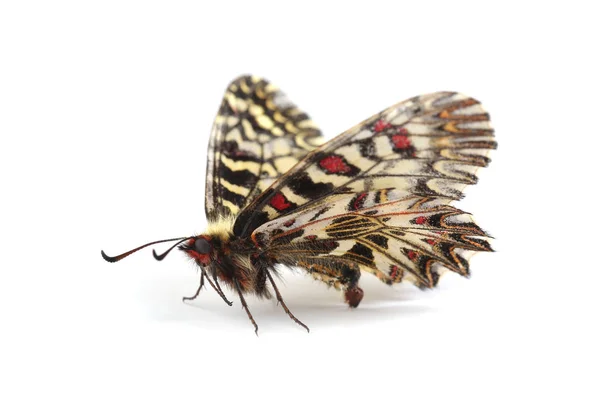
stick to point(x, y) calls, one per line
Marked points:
point(105, 111)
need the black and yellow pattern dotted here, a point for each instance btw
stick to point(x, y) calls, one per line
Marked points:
point(256, 137)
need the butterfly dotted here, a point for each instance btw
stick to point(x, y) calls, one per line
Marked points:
point(375, 199)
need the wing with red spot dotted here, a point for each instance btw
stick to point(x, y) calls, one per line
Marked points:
point(428, 146)
point(256, 137)
point(396, 235)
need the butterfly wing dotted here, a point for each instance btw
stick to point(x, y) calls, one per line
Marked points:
point(390, 233)
point(429, 145)
point(256, 137)
point(377, 197)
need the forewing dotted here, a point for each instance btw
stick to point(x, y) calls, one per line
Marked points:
point(393, 234)
point(429, 146)
point(256, 137)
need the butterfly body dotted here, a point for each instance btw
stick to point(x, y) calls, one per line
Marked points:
point(375, 199)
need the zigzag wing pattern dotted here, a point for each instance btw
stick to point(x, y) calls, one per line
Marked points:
point(429, 146)
point(390, 233)
point(256, 137)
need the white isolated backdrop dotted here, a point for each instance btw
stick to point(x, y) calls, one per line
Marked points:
point(105, 112)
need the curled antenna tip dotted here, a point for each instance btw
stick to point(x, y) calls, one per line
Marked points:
point(127, 253)
point(158, 257)
point(108, 258)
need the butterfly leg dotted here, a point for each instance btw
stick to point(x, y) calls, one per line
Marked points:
point(245, 305)
point(280, 300)
point(197, 291)
point(218, 289)
point(260, 281)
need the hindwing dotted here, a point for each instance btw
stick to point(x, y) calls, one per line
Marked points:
point(390, 233)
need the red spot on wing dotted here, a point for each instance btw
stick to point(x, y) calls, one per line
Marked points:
point(431, 241)
point(279, 202)
point(358, 203)
point(335, 165)
point(401, 142)
point(394, 270)
point(421, 220)
point(381, 125)
point(411, 255)
point(289, 223)
point(311, 237)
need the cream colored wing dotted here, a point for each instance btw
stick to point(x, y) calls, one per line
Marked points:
point(390, 233)
point(428, 146)
point(258, 135)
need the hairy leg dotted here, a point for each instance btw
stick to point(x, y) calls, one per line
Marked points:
point(245, 305)
point(280, 300)
point(216, 287)
point(197, 291)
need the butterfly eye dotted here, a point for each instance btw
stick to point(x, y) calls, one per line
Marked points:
point(202, 246)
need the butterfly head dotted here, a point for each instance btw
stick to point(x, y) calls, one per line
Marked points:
point(199, 248)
